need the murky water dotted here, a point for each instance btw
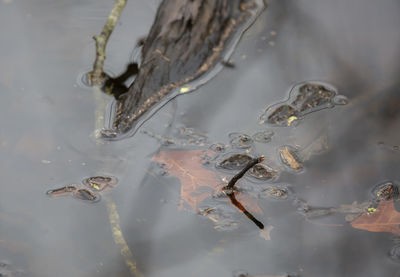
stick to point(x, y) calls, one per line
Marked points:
point(46, 142)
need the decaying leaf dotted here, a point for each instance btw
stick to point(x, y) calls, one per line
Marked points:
point(197, 182)
point(289, 158)
point(384, 219)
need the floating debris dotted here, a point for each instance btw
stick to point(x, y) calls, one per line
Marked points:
point(224, 217)
point(89, 189)
point(240, 140)
point(99, 183)
point(313, 96)
point(340, 100)
point(165, 141)
point(275, 192)
point(385, 191)
point(108, 134)
point(85, 194)
point(263, 137)
point(236, 161)
point(192, 136)
point(66, 190)
point(290, 158)
point(304, 98)
point(262, 172)
point(281, 115)
point(217, 147)
point(228, 63)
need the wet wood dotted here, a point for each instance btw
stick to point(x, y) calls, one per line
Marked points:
point(187, 39)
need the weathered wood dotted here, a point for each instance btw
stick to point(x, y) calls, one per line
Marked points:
point(187, 39)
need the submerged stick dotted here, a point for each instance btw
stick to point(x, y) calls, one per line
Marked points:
point(235, 178)
point(120, 240)
point(243, 210)
point(96, 77)
point(230, 193)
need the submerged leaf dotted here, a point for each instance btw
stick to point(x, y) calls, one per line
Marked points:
point(197, 182)
point(384, 219)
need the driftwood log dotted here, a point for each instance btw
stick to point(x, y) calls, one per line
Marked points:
point(186, 40)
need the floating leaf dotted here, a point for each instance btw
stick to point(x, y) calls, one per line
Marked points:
point(289, 157)
point(384, 219)
point(197, 182)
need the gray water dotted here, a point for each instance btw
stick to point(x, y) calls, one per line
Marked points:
point(48, 120)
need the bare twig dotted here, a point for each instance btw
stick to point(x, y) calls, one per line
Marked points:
point(243, 210)
point(230, 193)
point(96, 77)
point(235, 178)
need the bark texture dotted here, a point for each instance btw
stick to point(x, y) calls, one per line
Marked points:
point(186, 40)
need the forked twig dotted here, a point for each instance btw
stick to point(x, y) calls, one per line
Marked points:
point(235, 178)
point(230, 192)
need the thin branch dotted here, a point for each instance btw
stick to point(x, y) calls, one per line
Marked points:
point(230, 193)
point(243, 210)
point(96, 77)
point(235, 178)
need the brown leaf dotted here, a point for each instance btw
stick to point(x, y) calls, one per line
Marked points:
point(289, 158)
point(384, 219)
point(197, 182)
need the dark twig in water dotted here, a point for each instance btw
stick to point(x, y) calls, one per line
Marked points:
point(230, 193)
point(243, 210)
point(235, 178)
point(96, 77)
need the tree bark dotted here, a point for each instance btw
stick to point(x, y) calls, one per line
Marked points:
point(186, 40)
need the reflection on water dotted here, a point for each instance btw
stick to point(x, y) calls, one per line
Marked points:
point(345, 152)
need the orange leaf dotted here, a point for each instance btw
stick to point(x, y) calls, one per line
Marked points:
point(384, 219)
point(197, 182)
